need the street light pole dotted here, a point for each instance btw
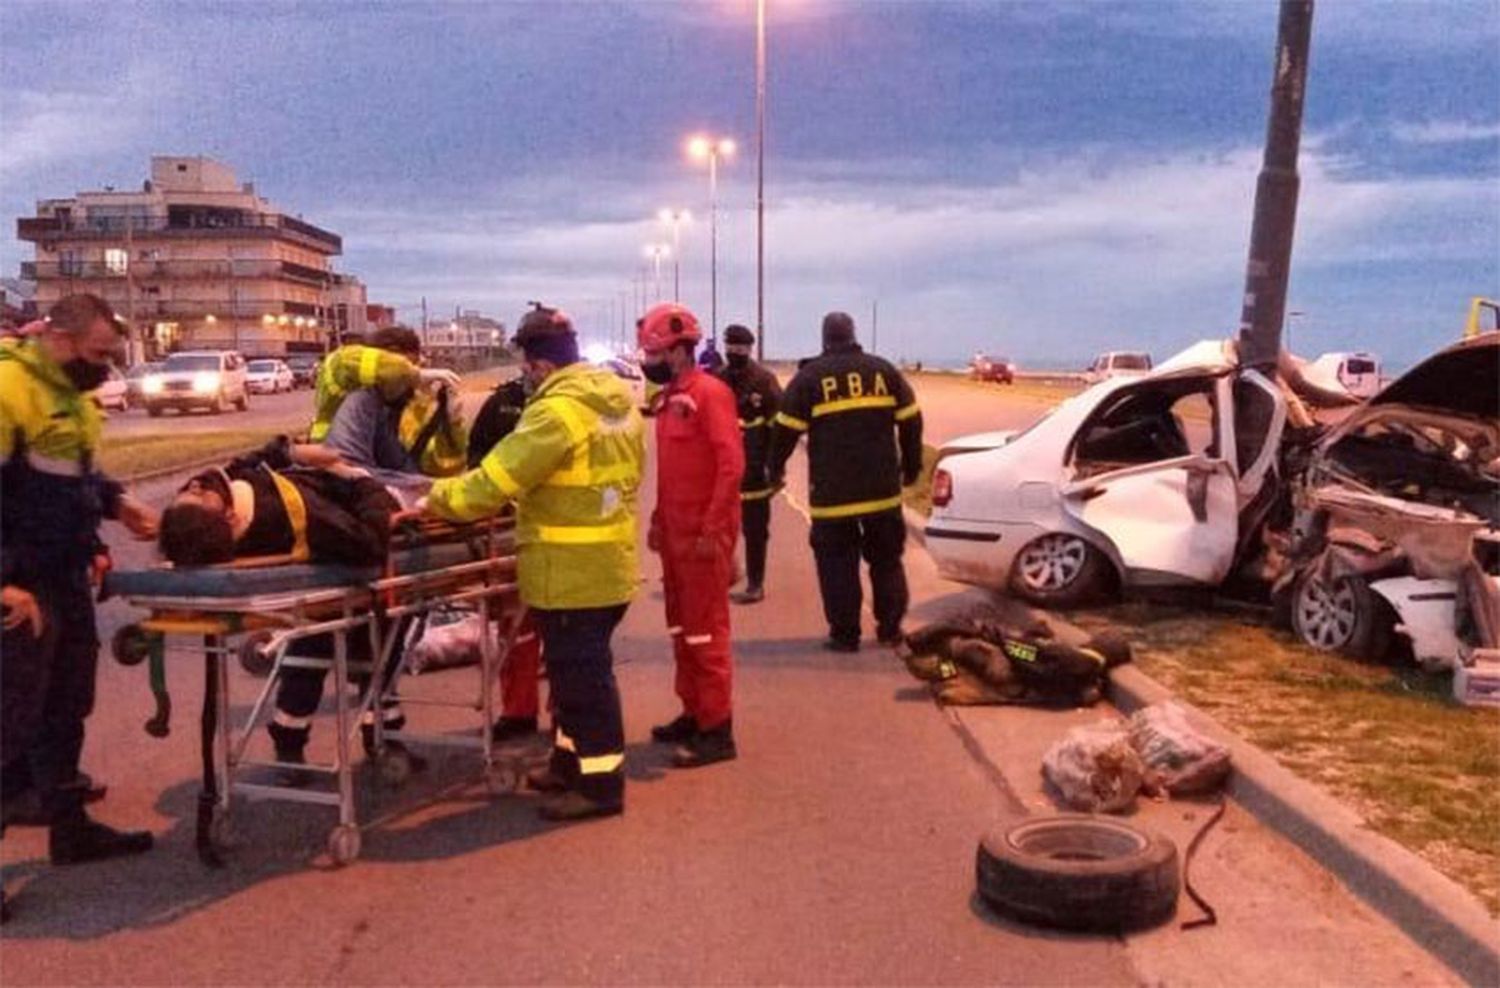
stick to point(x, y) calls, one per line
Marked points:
point(675, 218)
point(713, 248)
point(760, 179)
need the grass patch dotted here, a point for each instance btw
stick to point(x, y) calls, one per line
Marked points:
point(919, 495)
point(1390, 741)
point(134, 455)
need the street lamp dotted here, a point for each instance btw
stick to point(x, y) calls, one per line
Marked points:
point(656, 252)
point(702, 147)
point(675, 218)
point(760, 179)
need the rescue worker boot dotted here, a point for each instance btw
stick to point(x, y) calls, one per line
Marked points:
point(749, 595)
point(707, 747)
point(840, 645)
point(74, 838)
point(512, 729)
point(543, 779)
point(574, 805)
point(676, 731)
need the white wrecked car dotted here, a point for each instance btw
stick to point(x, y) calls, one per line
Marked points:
point(1138, 481)
point(1394, 509)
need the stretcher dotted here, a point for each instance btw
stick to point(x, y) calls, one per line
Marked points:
point(259, 609)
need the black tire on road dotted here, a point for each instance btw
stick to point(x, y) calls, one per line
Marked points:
point(1079, 872)
point(1061, 570)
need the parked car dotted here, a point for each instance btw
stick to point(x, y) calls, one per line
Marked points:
point(999, 370)
point(268, 377)
point(212, 379)
point(135, 378)
point(1138, 481)
point(1392, 506)
point(113, 393)
point(1118, 363)
point(1355, 373)
point(304, 367)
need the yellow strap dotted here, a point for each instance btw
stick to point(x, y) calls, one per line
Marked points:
point(855, 508)
point(369, 366)
point(759, 495)
point(296, 513)
point(499, 476)
point(620, 531)
point(754, 423)
point(853, 405)
point(791, 422)
point(902, 414)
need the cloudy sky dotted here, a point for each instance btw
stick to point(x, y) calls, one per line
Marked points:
point(1046, 179)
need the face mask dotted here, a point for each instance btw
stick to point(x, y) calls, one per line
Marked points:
point(658, 373)
point(85, 374)
point(738, 361)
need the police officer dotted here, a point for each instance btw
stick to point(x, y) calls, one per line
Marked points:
point(573, 467)
point(757, 396)
point(853, 406)
point(52, 499)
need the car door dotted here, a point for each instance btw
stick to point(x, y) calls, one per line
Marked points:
point(1172, 520)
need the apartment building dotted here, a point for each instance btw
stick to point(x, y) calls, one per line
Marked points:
point(194, 259)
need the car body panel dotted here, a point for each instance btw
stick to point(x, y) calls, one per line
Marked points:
point(113, 393)
point(1426, 613)
point(197, 379)
point(268, 376)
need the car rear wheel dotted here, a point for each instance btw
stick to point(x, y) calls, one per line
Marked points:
point(1344, 615)
point(1060, 570)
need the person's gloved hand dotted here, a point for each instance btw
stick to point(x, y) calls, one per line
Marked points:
point(437, 377)
point(138, 516)
point(21, 609)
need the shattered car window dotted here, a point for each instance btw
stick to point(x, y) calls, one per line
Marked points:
point(1166, 421)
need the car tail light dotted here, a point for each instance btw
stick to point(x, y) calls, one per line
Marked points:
point(942, 488)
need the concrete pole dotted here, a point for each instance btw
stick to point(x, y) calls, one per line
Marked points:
point(1268, 269)
point(713, 243)
point(760, 180)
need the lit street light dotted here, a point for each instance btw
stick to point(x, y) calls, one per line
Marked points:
point(702, 148)
point(656, 252)
point(675, 218)
point(760, 179)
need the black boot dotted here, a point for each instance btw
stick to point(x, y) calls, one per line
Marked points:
point(413, 760)
point(680, 729)
point(512, 729)
point(76, 839)
point(574, 805)
point(543, 779)
point(706, 748)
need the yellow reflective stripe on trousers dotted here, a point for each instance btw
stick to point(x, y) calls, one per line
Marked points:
point(790, 421)
point(600, 764)
point(499, 476)
point(853, 405)
point(620, 531)
point(856, 508)
point(296, 513)
point(369, 366)
point(909, 411)
point(754, 423)
point(759, 495)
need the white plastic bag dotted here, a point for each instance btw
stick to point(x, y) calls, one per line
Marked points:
point(447, 645)
point(1178, 757)
point(1094, 768)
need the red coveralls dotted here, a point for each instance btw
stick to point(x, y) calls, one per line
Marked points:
point(520, 695)
point(700, 460)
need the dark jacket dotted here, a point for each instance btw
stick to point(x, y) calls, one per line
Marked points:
point(757, 396)
point(852, 405)
point(497, 419)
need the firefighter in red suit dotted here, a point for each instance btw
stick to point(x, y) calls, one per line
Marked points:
point(700, 460)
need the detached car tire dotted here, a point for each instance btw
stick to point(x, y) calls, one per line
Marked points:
point(1079, 872)
point(1343, 616)
point(1060, 570)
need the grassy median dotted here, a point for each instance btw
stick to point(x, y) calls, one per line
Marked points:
point(132, 456)
point(1387, 740)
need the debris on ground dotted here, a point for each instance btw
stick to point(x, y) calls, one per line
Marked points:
point(1095, 768)
point(1178, 758)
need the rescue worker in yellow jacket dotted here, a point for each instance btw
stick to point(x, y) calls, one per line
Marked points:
point(52, 499)
point(573, 467)
point(359, 365)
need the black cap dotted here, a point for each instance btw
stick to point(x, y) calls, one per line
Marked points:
point(838, 327)
point(737, 335)
point(540, 323)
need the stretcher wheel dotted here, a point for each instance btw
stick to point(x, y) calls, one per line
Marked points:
point(253, 657)
point(395, 766)
point(221, 831)
point(343, 843)
point(131, 645)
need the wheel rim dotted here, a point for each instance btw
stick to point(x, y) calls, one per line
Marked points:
point(1052, 562)
point(1326, 615)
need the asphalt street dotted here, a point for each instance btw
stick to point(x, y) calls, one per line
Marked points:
point(838, 849)
point(288, 410)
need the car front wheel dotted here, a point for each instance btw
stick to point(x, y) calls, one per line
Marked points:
point(1060, 570)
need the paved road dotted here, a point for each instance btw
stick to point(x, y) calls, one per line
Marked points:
point(837, 850)
point(288, 410)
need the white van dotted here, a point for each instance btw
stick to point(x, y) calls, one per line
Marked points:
point(1118, 363)
point(1357, 372)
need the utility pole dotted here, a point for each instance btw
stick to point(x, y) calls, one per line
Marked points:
point(760, 180)
point(875, 326)
point(130, 285)
point(424, 322)
point(1268, 269)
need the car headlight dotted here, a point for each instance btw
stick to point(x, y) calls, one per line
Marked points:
point(152, 385)
point(205, 383)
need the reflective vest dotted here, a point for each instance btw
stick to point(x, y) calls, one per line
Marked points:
point(444, 441)
point(573, 467)
point(356, 366)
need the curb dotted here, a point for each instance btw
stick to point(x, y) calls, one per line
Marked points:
point(1440, 916)
point(1443, 918)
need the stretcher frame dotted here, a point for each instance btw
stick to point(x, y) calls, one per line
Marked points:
point(211, 623)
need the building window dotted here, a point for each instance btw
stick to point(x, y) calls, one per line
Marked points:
point(69, 263)
point(116, 260)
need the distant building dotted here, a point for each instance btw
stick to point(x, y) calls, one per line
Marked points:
point(195, 260)
point(380, 316)
point(17, 301)
point(467, 334)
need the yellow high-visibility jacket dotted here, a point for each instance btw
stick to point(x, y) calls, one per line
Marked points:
point(573, 466)
point(447, 451)
point(356, 366)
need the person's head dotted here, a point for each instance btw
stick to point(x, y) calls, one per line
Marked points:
point(197, 529)
point(838, 330)
point(83, 336)
point(667, 335)
point(739, 345)
point(398, 339)
point(547, 341)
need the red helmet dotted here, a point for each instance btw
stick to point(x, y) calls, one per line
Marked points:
point(666, 324)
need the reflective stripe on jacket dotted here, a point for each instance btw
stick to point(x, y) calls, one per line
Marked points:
point(573, 466)
point(757, 396)
point(357, 366)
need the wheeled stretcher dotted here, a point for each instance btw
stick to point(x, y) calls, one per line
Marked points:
point(258, 609)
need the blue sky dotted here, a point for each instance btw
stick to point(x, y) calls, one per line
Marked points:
point(1041, 179)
